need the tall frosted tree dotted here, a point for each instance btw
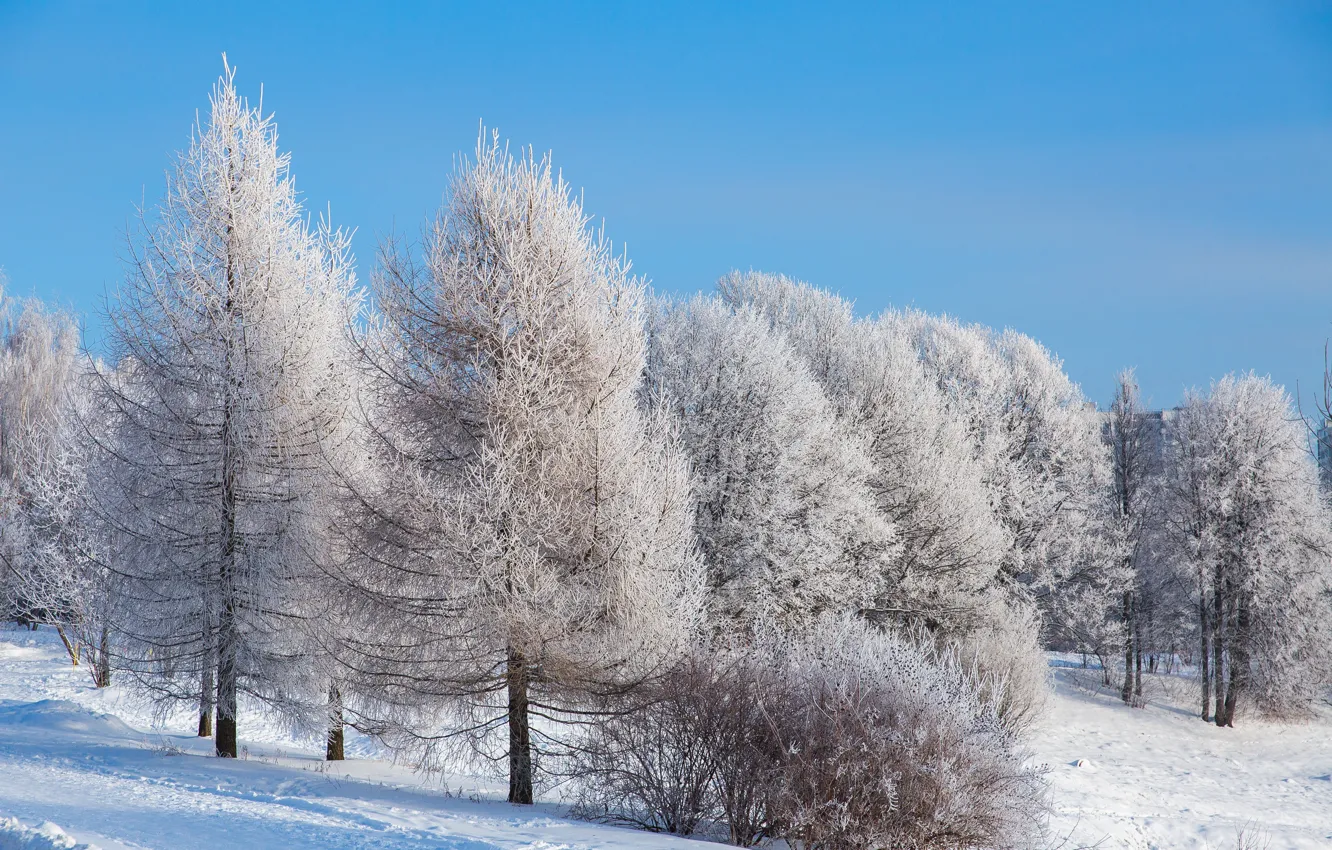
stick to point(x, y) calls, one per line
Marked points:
point(930, 477)
point(786, 517)
point(531, 543)
point(1038, 444)
point(44, 578)
point(231, 336)
point(923, 477)
point(1136, 451)
point(1046, 468)
point(1246, 512)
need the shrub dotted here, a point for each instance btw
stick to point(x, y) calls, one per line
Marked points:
point(1004, 654)
point(838, 735)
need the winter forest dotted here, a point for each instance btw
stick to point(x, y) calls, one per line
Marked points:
point(749, 565)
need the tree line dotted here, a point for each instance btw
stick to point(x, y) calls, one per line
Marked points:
point(744, 562)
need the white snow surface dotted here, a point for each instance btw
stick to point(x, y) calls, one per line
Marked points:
point(15, 836)
point(91, 762)
point(1159, 777)
point(94, 763)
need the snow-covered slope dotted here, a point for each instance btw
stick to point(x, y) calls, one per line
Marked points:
point(64, 760)
point(1159, 777)
point(90, 762)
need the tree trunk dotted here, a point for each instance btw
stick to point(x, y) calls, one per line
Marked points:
point(103, 677)
point(206, 691)
point(1239, 658)
point(1204, 674)
point(520, 733)
point(226, 636)
point(1127, 693)
point(71, 648)
point(1218, 644)
point(207, 678)
point(1137, 666)
point(226, 683)
point(336, 727)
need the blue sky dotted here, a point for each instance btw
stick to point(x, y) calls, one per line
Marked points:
point(1142, 185)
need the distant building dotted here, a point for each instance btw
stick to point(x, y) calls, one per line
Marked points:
point(1323, 444)
point(1158, 422)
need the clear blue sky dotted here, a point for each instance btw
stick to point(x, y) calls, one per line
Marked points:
point(1133, 184)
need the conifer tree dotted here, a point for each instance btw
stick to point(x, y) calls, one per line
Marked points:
point(230, 334)
point(530, 541)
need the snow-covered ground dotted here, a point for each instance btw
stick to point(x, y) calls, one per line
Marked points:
point(68, 759)
point(1159, 777)
point(80, 765)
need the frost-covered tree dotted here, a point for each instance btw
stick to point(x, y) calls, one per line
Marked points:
point(39, 366)
point(225, 411)
point(786, 518)
point(1038, 443)
point(1134, 438)
point(1247, 514)
point(947, 573)
point(62, 576)
point(1045, 466)
point(923, 476)
point(532, 539)
point(47, 538)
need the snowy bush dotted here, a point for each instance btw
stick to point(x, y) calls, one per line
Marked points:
point(687, 754)
point(1004, 655)
point(838, 735)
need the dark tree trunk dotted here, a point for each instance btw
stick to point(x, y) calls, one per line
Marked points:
point(103, 677)
point(1127, 693)
point(1218, 644)
point(205, 719)
point(1204, 674)
point(1239, 658)
point(226, 636)
point(1137, 671)
point(207, 689)
point(336, 726)
point(226, 684)
point(206, 703)
point(520, 732)
point(1232, 690)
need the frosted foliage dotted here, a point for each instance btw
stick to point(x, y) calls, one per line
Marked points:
point(1044, 464)
point(1252, 523)
point(532, 514)
point(1003, 652)
point(1041, 451)
point(785, 516)
point(230, 400)
point(38, 360)
point(39, 371)
point(925, 479)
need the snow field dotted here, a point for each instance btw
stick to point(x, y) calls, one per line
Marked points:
point(119, 785)
point(1151, 779)
point(1159, 777)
